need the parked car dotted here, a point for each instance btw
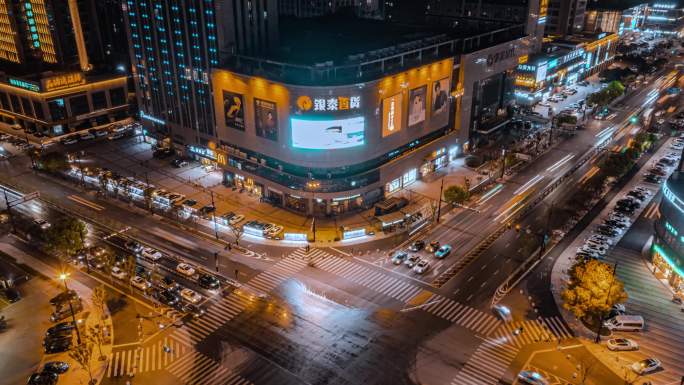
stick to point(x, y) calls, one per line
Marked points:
point(57, 367)
point(185, 269)
point(65, 311)
point(417, 245)
point(69, 140)
point(61, 327)
point(151, 253)
point(60, 345)
point(622, 344)
point(64, 297)
point(208, 282)
point(421, 267)
point(443, 251)
point(85, 136)
point(646, 366)
point(190, 295)
point(179, 163)
point(43, 378)
point(140, 283)
point(133, 246)
point(162, 153)
point(118, 273)
point(12, 294)
point(168, 283)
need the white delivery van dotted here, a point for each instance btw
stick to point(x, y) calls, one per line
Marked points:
point(625, 323)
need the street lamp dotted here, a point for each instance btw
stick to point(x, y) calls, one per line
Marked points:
point(312, 185)
point(63, 277)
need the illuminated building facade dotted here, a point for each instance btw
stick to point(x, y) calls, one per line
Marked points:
point(62, 65)
point(616, 17)
point(667, 251)
point(665, 18)
point(563, 62)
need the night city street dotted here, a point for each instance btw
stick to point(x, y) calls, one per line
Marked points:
point(324, 192)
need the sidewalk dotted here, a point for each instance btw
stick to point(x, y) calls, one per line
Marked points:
point(93, 318)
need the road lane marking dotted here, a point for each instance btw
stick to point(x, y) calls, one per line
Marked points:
point(85, 202)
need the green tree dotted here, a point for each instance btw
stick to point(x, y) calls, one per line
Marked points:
point(65, 236)
point(53, 162)
point(99, 299)
point(616, 164)
point(592, 290)
point(569, 119)
point(456, 194)
point(128, 266)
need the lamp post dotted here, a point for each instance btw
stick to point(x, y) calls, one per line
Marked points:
point(610, 289)
point(312, 185)
point(64, 277)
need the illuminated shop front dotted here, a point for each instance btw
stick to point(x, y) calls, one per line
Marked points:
point(668, 245)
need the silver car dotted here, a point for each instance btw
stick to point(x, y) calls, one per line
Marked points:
point(621, 344)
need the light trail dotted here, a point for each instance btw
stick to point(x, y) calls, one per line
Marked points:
point(490, 194)
point(528, 185)
point(560, 163)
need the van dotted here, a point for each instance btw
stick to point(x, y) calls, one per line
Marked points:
point(626, 323)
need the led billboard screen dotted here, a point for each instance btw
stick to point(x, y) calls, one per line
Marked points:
point(391, 115)
point(327, 134)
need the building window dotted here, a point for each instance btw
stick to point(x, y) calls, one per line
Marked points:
point(393, 186)
point(38, 109)
point(99, 100)
point(117, 96)
point(79, 105)
point(410, 177)
point(56, 108)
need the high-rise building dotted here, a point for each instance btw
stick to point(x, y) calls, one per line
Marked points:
point(565, 17)
point(62, 64)
point(313, 8)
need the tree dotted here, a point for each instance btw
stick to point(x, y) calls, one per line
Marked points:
point(149, 191)
point(53, 162)
point(616, 164)
point(95, 335)
point(82, 354)
point(456, 194)
point(99, 299)
point(569, 119)
point(237, 231)
point(65, 236)
point(128, 266)
point(593, 290)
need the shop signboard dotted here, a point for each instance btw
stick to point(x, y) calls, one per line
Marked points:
point(354, 233)
point(295, 237)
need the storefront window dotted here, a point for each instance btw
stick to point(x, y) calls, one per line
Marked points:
point(410, 177)
point(393, 185)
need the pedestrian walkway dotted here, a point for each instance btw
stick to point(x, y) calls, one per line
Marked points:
point(532, 331)
point(364, 276)
point(196, 368)
point(466, 316)
point(487, 365)
point(141, 359)
point(225, 309)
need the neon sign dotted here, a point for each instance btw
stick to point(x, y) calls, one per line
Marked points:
point(24, 84)
point(339, 103)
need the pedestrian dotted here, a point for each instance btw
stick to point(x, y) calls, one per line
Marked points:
point(230, 247)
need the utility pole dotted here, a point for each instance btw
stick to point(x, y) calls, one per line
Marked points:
point(9, 211)
point(80, 167)
point(610, 289)
point(213, 216)
point(439, 204)
point(147, 182)
point(63, 277)
point(216, 261)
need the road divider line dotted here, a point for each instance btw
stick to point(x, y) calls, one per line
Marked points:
point(85, 202)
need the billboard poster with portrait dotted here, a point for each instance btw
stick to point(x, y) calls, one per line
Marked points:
point(266, 119)
point(234, 110)
point(440, 96)
point(416, 106)
point(391, 115)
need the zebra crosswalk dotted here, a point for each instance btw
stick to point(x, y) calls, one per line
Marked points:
point(196, 368)
point(227, 308)
point(301, 253)
point(487, 364)
point(466, 316)
point(543, 329)
point(144, 358)
point(367, 277)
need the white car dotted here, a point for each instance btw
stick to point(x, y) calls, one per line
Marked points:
point(118, 273)
point(235, 219)
point(532, 378)
point(185, 269)
point(42, 223)
point(152, 254)
point(140, 283)
point(646, 366)
point(86, 136)
point(190, 296)
point(621, 344)
point(421, 267)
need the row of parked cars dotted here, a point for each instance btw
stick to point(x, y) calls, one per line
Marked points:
point(112, 132)
point(415, 262)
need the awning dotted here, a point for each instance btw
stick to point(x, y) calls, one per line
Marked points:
point(490, 130)
point(391, 218)
point(412, 209)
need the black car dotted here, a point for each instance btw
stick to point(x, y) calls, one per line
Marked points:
point(53, 346)
point(134, 246)
point(193, 310)
point(57, 367)
point(206, 210)
point(179, 163)
point(613, 223)
point(608, 232)
point(624, 210)
point(168, 283)
point(636, 195)
point(58, 334)
point(417, 245)
point(141, 272)
point(168, 298)
point(209, 282)
point(163, 153)
point(12, 294)
point(64, 297)
point(60, 327)
point(44, 378)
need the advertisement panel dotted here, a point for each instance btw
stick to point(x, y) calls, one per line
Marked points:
point(233, 110)
point(440, 97)
point(391, 115)
point(327, 134)
point(266, 119)
point(416, 107)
